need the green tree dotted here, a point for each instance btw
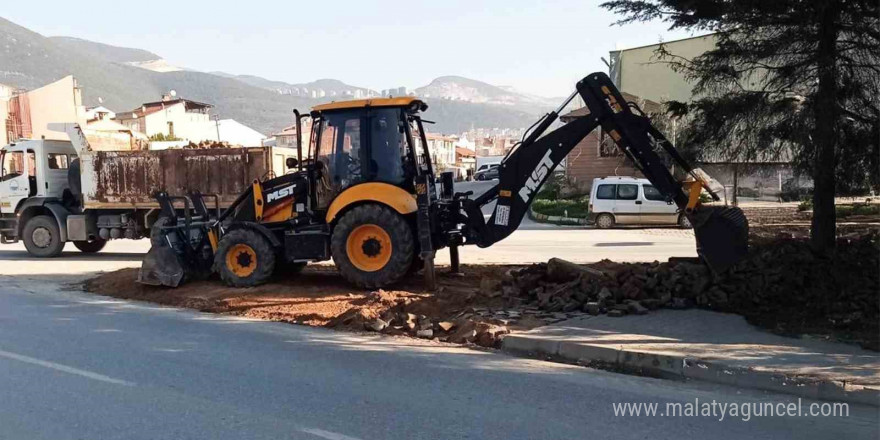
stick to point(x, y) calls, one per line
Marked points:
point(788, 79)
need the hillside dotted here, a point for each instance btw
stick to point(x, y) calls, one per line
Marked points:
point(458, 88)
point(29, 60)
point(104, 51)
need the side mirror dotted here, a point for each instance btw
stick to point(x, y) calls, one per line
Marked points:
point(291, 162)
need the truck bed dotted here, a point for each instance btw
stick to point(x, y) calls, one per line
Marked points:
point(129, 179)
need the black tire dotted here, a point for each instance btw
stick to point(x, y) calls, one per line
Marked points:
point(684, 222)
point(605, 221)
point(397, 233)
point(244, 258)
point(90, 247)
point(481, 177)
point(42, 237)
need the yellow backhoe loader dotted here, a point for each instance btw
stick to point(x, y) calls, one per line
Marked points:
point(364, 193)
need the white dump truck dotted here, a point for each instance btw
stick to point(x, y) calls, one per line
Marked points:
point(54, 192)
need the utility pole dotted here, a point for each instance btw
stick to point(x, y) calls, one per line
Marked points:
point(216, 119)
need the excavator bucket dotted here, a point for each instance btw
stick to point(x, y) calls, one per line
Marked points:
point(162, 266)
point(722, 234)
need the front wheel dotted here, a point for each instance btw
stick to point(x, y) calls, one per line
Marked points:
point(605, 221)
point(244, 258)
point(372, 246)
point(42, 237)
point(90, 247)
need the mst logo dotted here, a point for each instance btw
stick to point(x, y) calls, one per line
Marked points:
point(538, 176)
point(280, 194)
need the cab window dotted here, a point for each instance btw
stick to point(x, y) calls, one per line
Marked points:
point(58, 161)
point(652, 193)
point(605, 192)
point(627, 192)
point(13, 165)
point(340, 148)
point(388, 146)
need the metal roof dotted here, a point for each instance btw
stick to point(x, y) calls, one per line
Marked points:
point(405, 101)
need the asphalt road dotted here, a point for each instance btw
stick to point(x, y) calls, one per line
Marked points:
point(77, 366)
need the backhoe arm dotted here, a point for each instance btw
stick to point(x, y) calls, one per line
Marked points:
point(526, 167)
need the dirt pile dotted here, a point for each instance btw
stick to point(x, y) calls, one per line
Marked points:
point(458, 312)
point(782, 285)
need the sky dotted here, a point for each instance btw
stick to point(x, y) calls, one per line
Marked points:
point(540, 47)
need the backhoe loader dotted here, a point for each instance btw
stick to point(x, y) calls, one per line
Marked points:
point(365, 195)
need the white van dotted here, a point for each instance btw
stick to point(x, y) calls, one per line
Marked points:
point(631, 201)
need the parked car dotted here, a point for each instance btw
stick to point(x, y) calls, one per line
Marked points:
point(487, 172)
point(631, 201)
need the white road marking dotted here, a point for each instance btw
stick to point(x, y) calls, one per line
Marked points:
point(327, 434)
point(64, 368)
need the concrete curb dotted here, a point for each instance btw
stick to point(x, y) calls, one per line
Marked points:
point(556, 219)
point(685, 368)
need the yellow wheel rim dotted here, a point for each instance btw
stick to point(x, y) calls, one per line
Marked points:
point(368, 247)
point(241, 260)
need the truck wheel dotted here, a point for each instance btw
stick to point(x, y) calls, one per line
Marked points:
point(605, 221)
point(372, 246)
point(244, 258)
point(42, 238)
point(90, 247)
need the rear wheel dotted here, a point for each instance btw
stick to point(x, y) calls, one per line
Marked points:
point(605, 221)
point(42, 237)
point(90, 247)
point(372, 246)
point(244, 258)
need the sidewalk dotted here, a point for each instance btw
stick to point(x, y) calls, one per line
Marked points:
point(710, 346)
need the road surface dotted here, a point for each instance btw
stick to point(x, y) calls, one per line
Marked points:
point(78, 366)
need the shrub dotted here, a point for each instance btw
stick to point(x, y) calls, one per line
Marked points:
point(844, 211)
point(577, 208)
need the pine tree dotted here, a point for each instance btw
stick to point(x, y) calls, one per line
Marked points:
point(791, 80)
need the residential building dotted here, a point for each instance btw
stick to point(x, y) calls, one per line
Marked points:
point(6, 93)
point(170, 117)
point(99, 113)
point(442, 150)
point(639, 72)
point(466, 162)
point(287, 136)
point(28, 114)
point(648, 81)
point(188, 120)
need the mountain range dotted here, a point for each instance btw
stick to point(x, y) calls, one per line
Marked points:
point(124, 78)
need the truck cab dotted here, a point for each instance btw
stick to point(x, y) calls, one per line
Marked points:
point(33, 180)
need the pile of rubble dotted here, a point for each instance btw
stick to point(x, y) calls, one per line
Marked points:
point(387, 313)
point(782, 285)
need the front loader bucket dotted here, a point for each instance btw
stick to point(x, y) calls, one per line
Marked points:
point(161, 267)
point(722, 236)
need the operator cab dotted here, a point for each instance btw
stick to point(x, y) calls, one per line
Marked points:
point(361, 141)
